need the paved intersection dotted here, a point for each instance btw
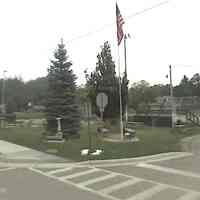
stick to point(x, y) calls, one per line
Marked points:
point(159, 177)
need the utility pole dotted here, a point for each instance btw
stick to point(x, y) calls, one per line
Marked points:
point(173, 107)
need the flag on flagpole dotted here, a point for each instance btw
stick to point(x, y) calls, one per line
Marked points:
point(120, 22)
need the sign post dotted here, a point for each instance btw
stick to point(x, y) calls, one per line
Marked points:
point(59, 129)
point(101, 101)
point(89, 116)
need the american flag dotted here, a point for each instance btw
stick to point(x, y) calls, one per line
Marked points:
point(120, 22)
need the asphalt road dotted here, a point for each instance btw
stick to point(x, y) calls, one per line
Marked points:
point(174, 177)
point(25, 184)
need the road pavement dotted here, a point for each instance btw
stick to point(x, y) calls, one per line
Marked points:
point(23, 184)
point(152, 177)
point(174, 176)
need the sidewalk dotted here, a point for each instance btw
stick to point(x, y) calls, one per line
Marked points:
point(191, 144)
point(10, 152)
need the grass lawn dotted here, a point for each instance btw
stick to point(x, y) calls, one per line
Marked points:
point(152, 141)
point(29, 115)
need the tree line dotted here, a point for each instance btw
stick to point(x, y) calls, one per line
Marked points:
point(61, 96)
point(142, 94)
point(103, 79)
point(19, 93)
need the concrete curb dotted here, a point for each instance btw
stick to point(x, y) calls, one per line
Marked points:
point(136, 159)
point(151, 158)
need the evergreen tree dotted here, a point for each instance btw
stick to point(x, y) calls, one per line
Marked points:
point(61, 100)
point(104, 79)
point(185, 88)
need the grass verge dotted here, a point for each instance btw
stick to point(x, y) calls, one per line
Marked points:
point(152, 141)
point(29, 115)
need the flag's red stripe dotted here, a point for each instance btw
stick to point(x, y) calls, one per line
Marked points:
point(120, 22)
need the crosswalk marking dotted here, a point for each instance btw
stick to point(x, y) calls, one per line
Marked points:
point(59, 170)
point(148, 193)
point(79, 174)
point(108, 191)
point(105, 196)
point(98, 179)
point(190, 196)
point(119, 186)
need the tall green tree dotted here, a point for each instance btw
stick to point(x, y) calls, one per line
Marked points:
point(195, 81)
point(36, 90)
point(185, 88)
point(104, 79)
point(141, 95)
point(61, 99)
point(14, 95)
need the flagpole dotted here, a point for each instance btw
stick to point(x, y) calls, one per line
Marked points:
point(120, 98)
point(120, 35)
point(125, 73)
point(173, 107)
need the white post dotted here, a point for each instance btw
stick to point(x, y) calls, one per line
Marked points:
point(125, 73)
point(59, 129)
point(120, 99)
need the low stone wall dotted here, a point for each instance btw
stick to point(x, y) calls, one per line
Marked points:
point(34, 123)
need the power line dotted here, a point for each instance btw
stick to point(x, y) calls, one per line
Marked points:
point(147, 9)
point(184, 65)
point(112, 24)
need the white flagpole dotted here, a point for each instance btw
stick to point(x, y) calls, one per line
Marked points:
point(120, 98)
point(120, 22)
point(125, 73)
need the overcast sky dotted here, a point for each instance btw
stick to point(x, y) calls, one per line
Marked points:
point(168, 34)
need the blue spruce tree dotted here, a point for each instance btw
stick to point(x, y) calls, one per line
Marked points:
point(61, 100)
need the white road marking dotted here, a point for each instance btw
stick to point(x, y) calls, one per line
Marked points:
point(59, 170)
point(154, 182)
point(148, 193)
point(136, 159)
point(98, 179)
point(106, 191)
point(163, 158)
point(147, 159)
point(6, 169)
point(3, 190)
point(38, 165)
point(114, 162)
point(169, 170)
point(75, 185)
point(190, 196)
point(118, 186)
point(79, 174)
